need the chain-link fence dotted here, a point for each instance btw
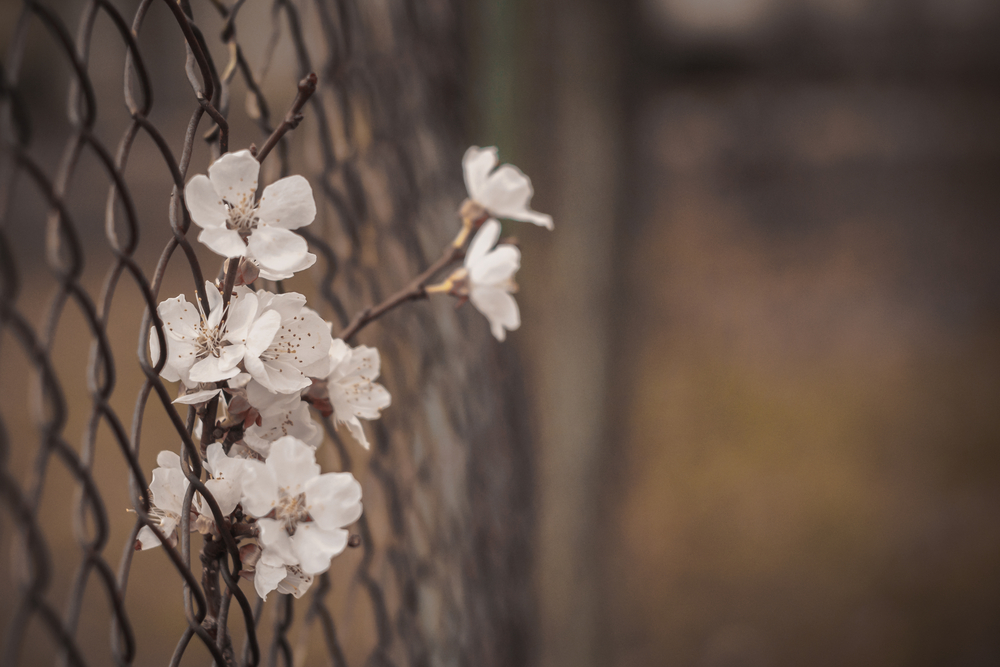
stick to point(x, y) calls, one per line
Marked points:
point(93, 236)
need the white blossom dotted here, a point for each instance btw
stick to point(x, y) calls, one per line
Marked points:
point(353, 392)
point(200, 347)
point(233, 224)
point(285, 343)
point(504, 192)
point(300, 513)
point(225, 481)
point(272, 574)
point(225, 476)
point(490, 279)
point(284, 414)
point(168, 488)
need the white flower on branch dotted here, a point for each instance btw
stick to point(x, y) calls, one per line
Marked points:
point(487, 279)
point(225, 476)
point(286, 343)
point(225, 481)
point(347, 389)
point(300, 513)
point(233, 224)
point(272, 574)
point(504, 192)
point(200, 347)
point(168, 488)
point(352, 389)
point(280, 415)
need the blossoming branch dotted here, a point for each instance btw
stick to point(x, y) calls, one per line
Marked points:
point(256, 365)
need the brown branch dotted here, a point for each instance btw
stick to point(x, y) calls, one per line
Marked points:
point(212, 553)
point(307, 87)
point(412, 292)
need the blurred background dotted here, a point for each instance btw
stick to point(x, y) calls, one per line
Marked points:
point(760, 356)
point(764, 335)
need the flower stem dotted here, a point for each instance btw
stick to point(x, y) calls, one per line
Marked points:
point(307, 87)
point(212, 553)
point(412, 292)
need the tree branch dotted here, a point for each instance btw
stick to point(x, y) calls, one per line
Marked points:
point(307, 87)
point(412, 292)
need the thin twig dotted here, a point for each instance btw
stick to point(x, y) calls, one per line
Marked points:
point(212, 553)
point(227, 287)
point(412, 292)
point(307, 87)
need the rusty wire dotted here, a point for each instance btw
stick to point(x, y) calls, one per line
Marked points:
point(352, 73)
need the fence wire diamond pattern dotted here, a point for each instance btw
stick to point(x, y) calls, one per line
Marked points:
point(378, 141)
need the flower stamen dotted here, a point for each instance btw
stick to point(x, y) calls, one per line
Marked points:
point(242, 218)
point(291, 510)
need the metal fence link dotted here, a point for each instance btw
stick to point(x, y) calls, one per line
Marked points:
point(440, 574)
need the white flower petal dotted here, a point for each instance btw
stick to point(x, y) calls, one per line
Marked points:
point(227, 477)
point(527, 214)
point(289, 419)
point(287, 203)
point(334, 499)
point(255, 367)
point(267, 401)
point(258, 444)
point(197, 397)
point(296, 582)
point(357, 431)
point(226, 494)
point(276, 542)
point(214, 311)
point(261, 334)
point(260, 489)
point(225, 242)
point(339, 351)
point(288, 305)
point(370, 400)
point(242, 310)
point(506, 195)
point(293, 463)
point(168, 459)
point(277, 249)
point(168, 372)
point(363, 363)
point(496, 267)
point(179, 318)
point(267, 576)
point(499, 308)
point(282, 377)
point(302, 341)
point(212, 369)
point(315, 546)
point(229, 356)
point(318, 369)
point(204, 204)
point(168, 488)
point(147, 538)
point(268, 274)
point(476, 167)
point(234, 176)
point(484, 239)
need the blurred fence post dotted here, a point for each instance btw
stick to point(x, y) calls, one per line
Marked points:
point(555, 89)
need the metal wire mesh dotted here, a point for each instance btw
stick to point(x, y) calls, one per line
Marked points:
point(440, 576)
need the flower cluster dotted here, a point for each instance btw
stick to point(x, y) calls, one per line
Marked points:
point(264, 358)
point(487, 276)
point(261, 362)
